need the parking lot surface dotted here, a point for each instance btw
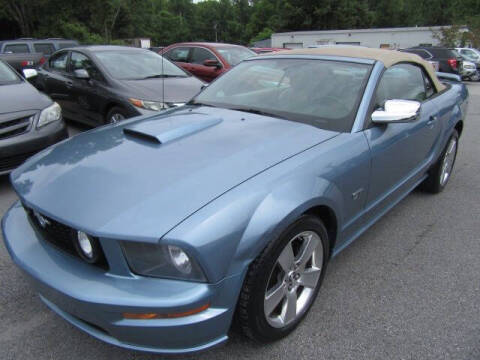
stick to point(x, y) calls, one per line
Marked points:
point(409, 288)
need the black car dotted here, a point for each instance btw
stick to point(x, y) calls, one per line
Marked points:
point(446, 58)
point(29, 121)
point(104, 84)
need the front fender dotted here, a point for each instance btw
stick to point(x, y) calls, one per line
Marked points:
point(226, 235)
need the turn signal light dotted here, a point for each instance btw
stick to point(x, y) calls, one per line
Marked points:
point(148, 316)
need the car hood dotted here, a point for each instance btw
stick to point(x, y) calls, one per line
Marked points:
point(177, 90)
point(140, 178)
point(20, 97)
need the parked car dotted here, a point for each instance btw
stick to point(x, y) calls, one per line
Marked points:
point(105, 84)
point(30, 45)
point(23, 61)
point(235, 203)
point(470, 54)
point(448, 61)
point(207, 60)
point(265, 50)
point(29, 120)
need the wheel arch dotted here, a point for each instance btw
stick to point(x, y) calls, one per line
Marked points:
point(327, 215)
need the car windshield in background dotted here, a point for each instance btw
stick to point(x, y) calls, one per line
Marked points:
point(325, 94)
point(138, 65)
point(7, 75)
point(234, 55)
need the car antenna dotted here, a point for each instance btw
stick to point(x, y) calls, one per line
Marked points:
point(163, 85)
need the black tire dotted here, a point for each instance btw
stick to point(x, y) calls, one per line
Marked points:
point(250, 315)
point(434, 184)
point(116, 112)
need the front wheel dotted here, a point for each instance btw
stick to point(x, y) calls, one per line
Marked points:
point(115, 115)
point(283, 282)
point(441, 172)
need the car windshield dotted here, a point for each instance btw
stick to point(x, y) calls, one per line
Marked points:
point(323, 93)
point(138, 65)
point(7, 75)
point(234, 55)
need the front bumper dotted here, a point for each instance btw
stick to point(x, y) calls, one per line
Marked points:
point(16, 149)
point(94, 300)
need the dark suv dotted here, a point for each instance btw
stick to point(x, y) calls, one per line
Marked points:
point(30, 45)
point(446, 58)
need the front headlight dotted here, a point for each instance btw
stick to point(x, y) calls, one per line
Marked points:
point(49, 114)
point(165, 261)
point(149, 105)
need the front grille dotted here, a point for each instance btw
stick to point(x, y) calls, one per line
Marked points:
point(14, 127)
point(14, 161)
point(62, 236)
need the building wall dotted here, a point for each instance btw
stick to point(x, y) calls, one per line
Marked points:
point(394, 38)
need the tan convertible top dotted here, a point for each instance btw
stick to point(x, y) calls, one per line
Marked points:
point(387, 57)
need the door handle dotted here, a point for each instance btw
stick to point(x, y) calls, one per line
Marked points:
point(432, 120)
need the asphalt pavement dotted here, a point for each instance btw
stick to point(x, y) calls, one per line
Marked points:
point(409, 288)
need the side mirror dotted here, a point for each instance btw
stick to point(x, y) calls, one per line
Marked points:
point(81, 74)
point(212, 63)
point(29, 73)
point(397, 111)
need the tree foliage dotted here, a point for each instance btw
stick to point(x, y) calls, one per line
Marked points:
point(238, 21)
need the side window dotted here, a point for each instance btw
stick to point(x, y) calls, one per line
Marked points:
point(199, 55)
point(59, 62)
point(402, 82)
point(429, 89)
point(179, 54)
point(46, 49)
point(16, 48)
point(80, 61)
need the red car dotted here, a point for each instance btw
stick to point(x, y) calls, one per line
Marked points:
point(206, 60)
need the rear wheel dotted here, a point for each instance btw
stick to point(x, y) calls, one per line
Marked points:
point(283, 282)
point(115, 115)
point(440, 173)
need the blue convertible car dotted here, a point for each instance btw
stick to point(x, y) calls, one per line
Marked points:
point(152, 234)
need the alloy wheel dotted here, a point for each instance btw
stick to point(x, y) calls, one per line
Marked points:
point(293, 279)
point(448, 161)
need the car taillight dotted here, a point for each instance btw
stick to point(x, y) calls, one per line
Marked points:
point(452, 63)
point(42, 60)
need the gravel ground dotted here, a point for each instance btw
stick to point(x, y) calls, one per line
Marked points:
point(409, 288)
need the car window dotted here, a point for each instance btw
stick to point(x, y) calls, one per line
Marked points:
point(46, 49)
point(178, 54)
point(81, 61)
point(137, 64)
point(470, 54)
point(7, 75)
point(59, 62)
point(422, 53)
point(199, 55)
point(401, 82)
point(322, 93)
point(66, 45)
point(16, 48)
point(235, 54)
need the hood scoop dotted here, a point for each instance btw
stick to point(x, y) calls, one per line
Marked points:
point(170, 128)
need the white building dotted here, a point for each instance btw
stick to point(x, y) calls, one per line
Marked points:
point(393, 38)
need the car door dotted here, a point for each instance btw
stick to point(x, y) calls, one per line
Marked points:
point(400, 153)
point(198, 57)
point(180, 56)
point(54, 80)
point(88, 95)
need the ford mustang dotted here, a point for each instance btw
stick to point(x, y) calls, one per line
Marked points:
point(154, 233)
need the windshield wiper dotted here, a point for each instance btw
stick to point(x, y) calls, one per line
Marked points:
point(160, 76)
point(258, 112)
point(196, 103)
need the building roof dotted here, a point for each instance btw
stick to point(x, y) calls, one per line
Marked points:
point(387, 57)
point(371, 30)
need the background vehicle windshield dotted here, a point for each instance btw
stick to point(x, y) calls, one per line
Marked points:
point(137, 65)
point(234, 55)
point(7, 75)
point(322, 93)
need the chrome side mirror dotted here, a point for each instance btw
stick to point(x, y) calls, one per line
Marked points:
point(81, 74)
point(29, 73)
point(397, 111)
